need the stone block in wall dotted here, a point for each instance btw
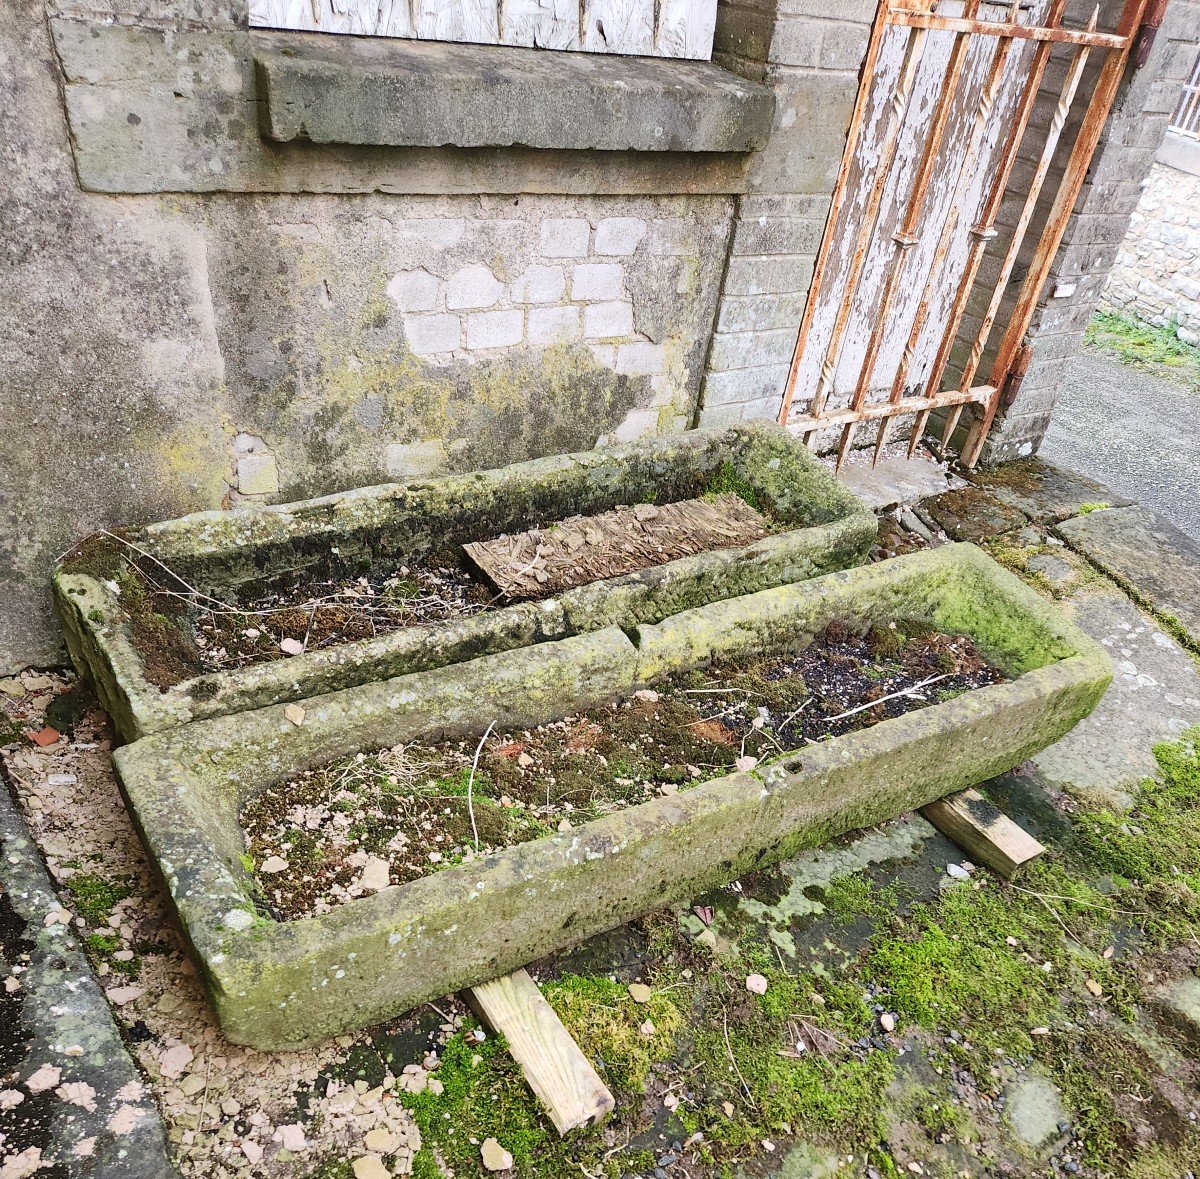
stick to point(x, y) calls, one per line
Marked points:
point(751, 349)
point(540, 284)
point(495, 329)
point(619, 236)
point(603, 321)
point(744, 384)
point(746, 313)
point(777, 235)
point(597, 281)
point(774, 275)
point(548, 326)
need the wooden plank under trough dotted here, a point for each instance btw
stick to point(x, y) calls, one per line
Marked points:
point(984, 832)
point(557, 1070)
point(544, 561)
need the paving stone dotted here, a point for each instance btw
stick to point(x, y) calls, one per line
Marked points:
point(1154, 696)
point(894, 481)
point(1053, 569)
point(1042, 491)
point(1148, 556)
point(1034, 1108)
point(969, 513)
point(1176, 1004)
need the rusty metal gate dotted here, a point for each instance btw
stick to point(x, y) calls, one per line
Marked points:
point(904, 277)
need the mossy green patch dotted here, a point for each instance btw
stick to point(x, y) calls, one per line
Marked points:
point(1144, 346)
point(95, 896)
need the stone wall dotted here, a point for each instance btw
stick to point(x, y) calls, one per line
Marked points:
point(1156, 277)
point(168, 352)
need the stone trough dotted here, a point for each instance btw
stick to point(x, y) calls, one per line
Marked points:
point(279, 985)
point(234, 555)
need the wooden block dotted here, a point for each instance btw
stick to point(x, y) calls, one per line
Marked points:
point(556, 1069)
point(985, 833)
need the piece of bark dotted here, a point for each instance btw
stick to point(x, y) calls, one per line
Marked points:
point(541, 562)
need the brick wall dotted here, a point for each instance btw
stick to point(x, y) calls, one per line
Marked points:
point(811, 62)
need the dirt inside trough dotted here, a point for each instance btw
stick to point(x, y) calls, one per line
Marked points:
point(356, 825)
point(181, 632)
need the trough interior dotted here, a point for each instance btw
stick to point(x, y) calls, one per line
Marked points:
point(947, 596)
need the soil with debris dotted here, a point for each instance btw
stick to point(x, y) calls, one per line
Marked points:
point(230, 1111)
point(360, 824)
point(326, 613)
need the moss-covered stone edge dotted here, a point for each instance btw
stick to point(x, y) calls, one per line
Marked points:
point(829, 529)
point(281, 985)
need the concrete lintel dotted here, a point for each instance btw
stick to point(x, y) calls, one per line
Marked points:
point(363, 92)
point(152, 110)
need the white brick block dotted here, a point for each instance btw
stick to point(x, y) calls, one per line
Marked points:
point(619, 235)
point(598, 280)
point(601, 321)
point(641, 359)
point(428, 334)
point(473, 286)
point(638, 423)
point(553, 325)
point(745, 384)
point(495, 329)
point(540, 284)
point(565, 237)
point(414, 290)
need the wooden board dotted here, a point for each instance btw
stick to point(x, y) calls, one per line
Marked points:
point(983, 832)
point(684, 28)
point(545, 561)
point(557, 1071)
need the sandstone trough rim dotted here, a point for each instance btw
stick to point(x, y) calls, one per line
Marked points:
point(100, 635)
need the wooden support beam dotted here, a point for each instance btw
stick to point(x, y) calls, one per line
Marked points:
point(985, 833)
point(556, 1069)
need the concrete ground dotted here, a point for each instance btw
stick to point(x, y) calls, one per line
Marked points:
point(1135, 431)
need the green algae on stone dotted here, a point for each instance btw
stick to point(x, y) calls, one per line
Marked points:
point(131, 641)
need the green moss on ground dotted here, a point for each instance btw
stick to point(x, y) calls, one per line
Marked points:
point(95, 896)
point(984, 981)
point(1140, 345)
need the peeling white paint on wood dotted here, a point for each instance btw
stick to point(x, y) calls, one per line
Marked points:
point(952, 185)
point(684, 28)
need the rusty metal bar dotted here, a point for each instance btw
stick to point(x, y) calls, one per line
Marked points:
point(1057, 122)
point(835, 210)
point(984, 230)
point(882, 409)
point(1078, 162)
point(866, 228)
point(959, 24)
point(906, 236)
point(983, 112)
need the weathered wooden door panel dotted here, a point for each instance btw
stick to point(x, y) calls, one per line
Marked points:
point(657, 28)
point(947, 92)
